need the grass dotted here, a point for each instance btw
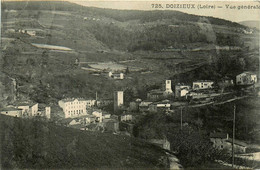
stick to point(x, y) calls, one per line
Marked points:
point(37, 144)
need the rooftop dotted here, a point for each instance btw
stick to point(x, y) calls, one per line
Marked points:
point(73, 99)
point(10, 109)
point(218, 135)
point(202, 81)
point(237, 142)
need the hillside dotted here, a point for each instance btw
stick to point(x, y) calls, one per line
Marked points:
point(143, 41)
point(30, 144)
point(251, 24)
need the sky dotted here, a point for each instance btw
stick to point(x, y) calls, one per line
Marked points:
point(234, 14)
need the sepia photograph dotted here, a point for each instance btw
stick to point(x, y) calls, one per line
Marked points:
point(106, 84)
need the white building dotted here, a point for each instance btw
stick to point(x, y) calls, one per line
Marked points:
point(119, 76)
point(126, 117)
point(31, 32)
point(168, 87)
point(28, 109)
point(33, 110)
point(118, 99)
point(48, 112)
point(246, 78)
point(98, 114)
point(11, 111)
point(73, 107)
point(181, 90)
point(202, 84)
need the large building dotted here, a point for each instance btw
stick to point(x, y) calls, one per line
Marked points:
point(73, 107)
point(246, 78)
point(118, 99)
point(202, 84)
point(11, 111)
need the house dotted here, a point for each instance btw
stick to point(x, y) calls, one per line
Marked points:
point(74, 122)
point(119, 76)
point(90, 103)
point(73, 107)
point(11, 111)
point(89, 119)
point(246, 78)
point(196, 95)
point(126, 117)
point(31, 32)
point(163, 143)
point(104, 102)
point(106, 116)
point(111, 125)
point(144, 106)
point(218, 139)
point(160, 106)
point(155, 95)
point(28, 108)
point(98, 114)
point(202, 84)
point(181, 90)
point(222, 141)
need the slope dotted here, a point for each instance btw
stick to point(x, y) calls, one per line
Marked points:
point(37, 144)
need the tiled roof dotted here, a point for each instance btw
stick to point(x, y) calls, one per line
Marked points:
point(237, 142)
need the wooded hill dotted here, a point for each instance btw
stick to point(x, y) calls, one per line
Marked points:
point(37, 144)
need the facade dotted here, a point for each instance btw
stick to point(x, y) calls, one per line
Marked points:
point(126, 117)
point(73, 107)
point(25, 109)
point(48, 112)
point(168, 87)
point(181, 90)
point(202, 84)
point(104, 102)
point(118, 99)
point(90, 103)
point(144, 106)
point(11, 111)
point(119, 76)
point(106, 116)
point(246, 78)
point(155, 95)
point(33, 111)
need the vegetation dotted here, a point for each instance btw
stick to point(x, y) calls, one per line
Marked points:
point(37, 144)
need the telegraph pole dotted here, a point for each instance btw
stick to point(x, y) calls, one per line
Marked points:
point(181, 117)
point(233, 138)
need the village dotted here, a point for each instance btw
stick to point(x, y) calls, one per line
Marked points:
point(88, 115)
